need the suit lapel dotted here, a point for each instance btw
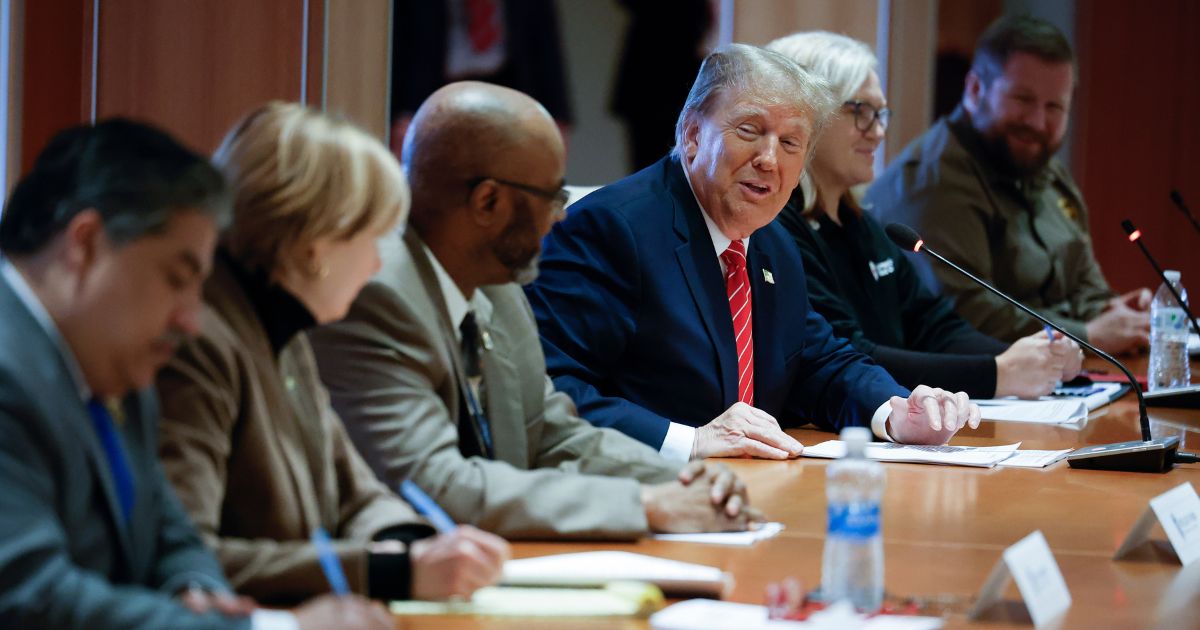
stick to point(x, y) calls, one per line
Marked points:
point(500, 375)
point(52, 379)
point(698, 262)
point(767, 361)
point(428, 279)
point(100, 466)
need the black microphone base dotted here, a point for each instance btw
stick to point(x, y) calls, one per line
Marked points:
point(1156, 456)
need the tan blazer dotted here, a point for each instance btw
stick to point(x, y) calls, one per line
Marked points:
point(393, 371)
point(258, 457)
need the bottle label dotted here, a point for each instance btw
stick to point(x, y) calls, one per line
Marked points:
point(854, 520)
point(1170, 320)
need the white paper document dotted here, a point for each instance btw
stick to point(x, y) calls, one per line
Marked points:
point(1049, 409)
point(1053, 411)
point(733, 539)
point(1033, 459)
point(596, 568)
point(707, 614)
point(984, 456)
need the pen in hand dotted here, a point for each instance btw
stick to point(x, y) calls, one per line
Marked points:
point(427, 507)
point(330, 563)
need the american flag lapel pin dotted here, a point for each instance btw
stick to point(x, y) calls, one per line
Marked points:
point(770, 279)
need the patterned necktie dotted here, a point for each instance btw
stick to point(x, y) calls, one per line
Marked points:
point(473, 366)
point(737, 287)
point(118, 466)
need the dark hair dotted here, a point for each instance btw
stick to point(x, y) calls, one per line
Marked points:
point(134, 175)
point(1019, 33)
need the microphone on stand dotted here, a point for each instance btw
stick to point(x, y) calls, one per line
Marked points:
point(1148, 455)
point(1178, 200)
point(1135, 236)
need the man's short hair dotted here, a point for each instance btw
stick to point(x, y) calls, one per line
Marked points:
point(1019, 33)
point(134, 175)
point(741, 68)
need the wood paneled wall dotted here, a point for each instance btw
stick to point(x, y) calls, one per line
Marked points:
point(195, 66)
point(1137, 133)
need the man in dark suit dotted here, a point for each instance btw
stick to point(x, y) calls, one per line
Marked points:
point(106, 243)
point(670, 301)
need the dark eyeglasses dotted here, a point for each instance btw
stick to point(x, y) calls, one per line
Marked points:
point(558, 197)
point(865, 115)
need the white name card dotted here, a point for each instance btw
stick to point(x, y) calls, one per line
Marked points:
point(1030, 563)
point(1178, 512)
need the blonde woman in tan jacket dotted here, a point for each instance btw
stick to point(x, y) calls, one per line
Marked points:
point(249, 441)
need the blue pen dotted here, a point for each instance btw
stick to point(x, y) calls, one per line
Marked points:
point(330, 563)
point(1049, 332)
point(426, 507)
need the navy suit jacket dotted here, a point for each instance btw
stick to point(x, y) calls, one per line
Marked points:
point(634, 319)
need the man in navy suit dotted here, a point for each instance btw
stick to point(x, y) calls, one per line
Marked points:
point(670, 306)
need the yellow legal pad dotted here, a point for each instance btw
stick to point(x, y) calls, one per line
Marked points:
point(615, 599)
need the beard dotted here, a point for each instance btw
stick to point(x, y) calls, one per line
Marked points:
point(996, 136)
point(518, 247)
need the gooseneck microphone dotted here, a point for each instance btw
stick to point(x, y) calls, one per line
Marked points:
point(1148, 455)
point(1135, 236)
point(1178, 200)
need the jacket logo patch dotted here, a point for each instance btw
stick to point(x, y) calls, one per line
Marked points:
point(882, 268)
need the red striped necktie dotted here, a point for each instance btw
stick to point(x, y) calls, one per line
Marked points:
point(737, 287)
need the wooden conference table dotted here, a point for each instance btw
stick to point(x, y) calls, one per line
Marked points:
point(945, 527)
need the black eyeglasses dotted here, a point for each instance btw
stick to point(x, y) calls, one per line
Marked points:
point(865, 115)
point(558, 197)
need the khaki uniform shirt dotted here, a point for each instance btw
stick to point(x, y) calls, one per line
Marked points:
point(1027, 237)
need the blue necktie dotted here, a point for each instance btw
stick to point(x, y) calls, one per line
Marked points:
point(118, 466)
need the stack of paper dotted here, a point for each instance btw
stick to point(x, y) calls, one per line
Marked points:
point(1098, 395)
point(985, 457)
point(597, 568)
point(1033, 459)
point(1053, 411)
point(618, 599)
point(733, 539)
point(703, 614)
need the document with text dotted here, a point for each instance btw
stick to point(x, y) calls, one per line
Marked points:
point(983, 456)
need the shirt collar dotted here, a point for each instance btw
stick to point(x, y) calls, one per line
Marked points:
point(456, 303)
point(719, 240)
point(35, 307)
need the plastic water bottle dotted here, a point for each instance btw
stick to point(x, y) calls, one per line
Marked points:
point(1168, 338)
point(852, 567)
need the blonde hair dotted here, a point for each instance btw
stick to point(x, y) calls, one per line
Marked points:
point(844, 63)
point(297, 175)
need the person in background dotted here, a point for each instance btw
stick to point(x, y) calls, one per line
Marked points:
point(861, 282)
point(647, 96)
point(514, 43)
point(437, 370)
point(106, 243)
point(673, 308)
point(983, 188)
point(249, 441)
